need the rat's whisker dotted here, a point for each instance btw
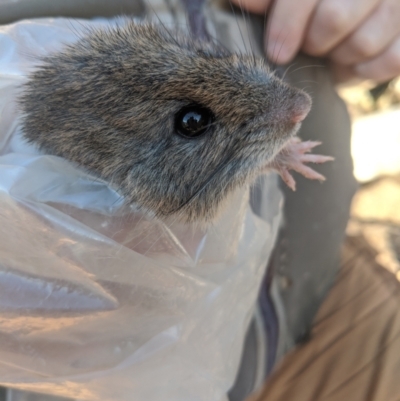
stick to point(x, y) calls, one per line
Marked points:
point(219, 168)
point(308, 66)
point(287, 70)
point(281, 47)
point(73, 28)
point(270, 10)
point(117, 200)
point(28, 55)
point(238, 25)
point(161, 23)
point(86, 29)
point(211, 125)
point(273, 53)
point(184, 27)
point(250, 34)
point(308, 81)
point(172, 12)
point(246, 19)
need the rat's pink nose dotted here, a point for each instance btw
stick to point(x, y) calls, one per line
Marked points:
point(300, 110)
point(298, 117)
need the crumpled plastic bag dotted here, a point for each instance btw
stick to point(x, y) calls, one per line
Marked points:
point(99, 302)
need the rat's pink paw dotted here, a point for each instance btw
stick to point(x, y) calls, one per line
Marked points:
point(293, 156)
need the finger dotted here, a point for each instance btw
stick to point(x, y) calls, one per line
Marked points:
point(372, 37)
point(332, 21)
point(384, 67)
point(287, 24)
point(345, 73)
point(254, 6)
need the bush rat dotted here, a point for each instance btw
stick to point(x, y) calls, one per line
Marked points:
point(173, 123)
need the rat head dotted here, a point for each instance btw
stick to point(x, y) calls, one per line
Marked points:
point(174, 124)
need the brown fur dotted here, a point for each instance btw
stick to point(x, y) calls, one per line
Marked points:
point(109, 101)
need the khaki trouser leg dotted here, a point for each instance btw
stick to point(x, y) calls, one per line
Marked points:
point(354, 350)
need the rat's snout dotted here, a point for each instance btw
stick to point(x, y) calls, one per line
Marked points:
point(292, 107)
point(300, 107)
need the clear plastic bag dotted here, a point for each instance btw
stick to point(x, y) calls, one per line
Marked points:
point(99, 302)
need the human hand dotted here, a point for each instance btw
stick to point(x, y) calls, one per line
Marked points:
point(360, 37)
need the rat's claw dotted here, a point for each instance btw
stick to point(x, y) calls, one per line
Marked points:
point(308, 172)
point(287, 179)
point(311, 158)
point(305, 147)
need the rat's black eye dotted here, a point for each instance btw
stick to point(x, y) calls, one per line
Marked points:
point(193, 121)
